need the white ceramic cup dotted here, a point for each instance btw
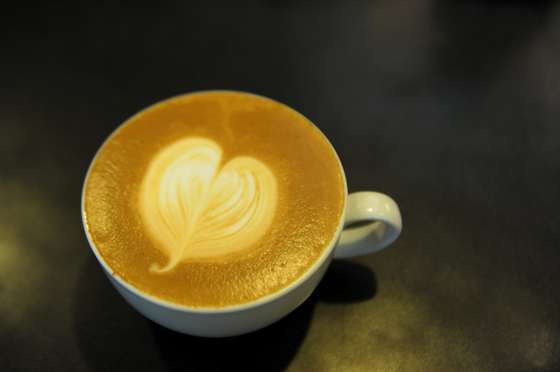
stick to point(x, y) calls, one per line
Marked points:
point(372, 221)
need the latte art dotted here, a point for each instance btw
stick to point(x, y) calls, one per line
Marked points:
point(195, 209)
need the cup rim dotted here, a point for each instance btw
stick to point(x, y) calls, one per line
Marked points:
point(207, 309)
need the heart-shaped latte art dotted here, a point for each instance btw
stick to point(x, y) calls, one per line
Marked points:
point(193, 209)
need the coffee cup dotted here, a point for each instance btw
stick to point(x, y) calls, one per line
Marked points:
point(368, 222)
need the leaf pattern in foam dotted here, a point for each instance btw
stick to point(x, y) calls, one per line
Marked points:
point(194, 210)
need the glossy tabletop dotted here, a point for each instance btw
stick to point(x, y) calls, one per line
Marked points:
point(450, 106)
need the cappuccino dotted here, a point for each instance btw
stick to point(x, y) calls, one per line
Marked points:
point(213, 199)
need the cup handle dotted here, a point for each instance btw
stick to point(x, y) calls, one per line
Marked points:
point(372, 222)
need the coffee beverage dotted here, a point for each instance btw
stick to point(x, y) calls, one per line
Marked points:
point(213, 199)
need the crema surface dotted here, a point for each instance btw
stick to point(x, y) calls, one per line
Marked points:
point(213, 199)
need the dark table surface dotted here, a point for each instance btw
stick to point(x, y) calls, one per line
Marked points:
point(451, 107)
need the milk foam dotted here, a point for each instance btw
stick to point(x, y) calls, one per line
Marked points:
point(196, 210)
